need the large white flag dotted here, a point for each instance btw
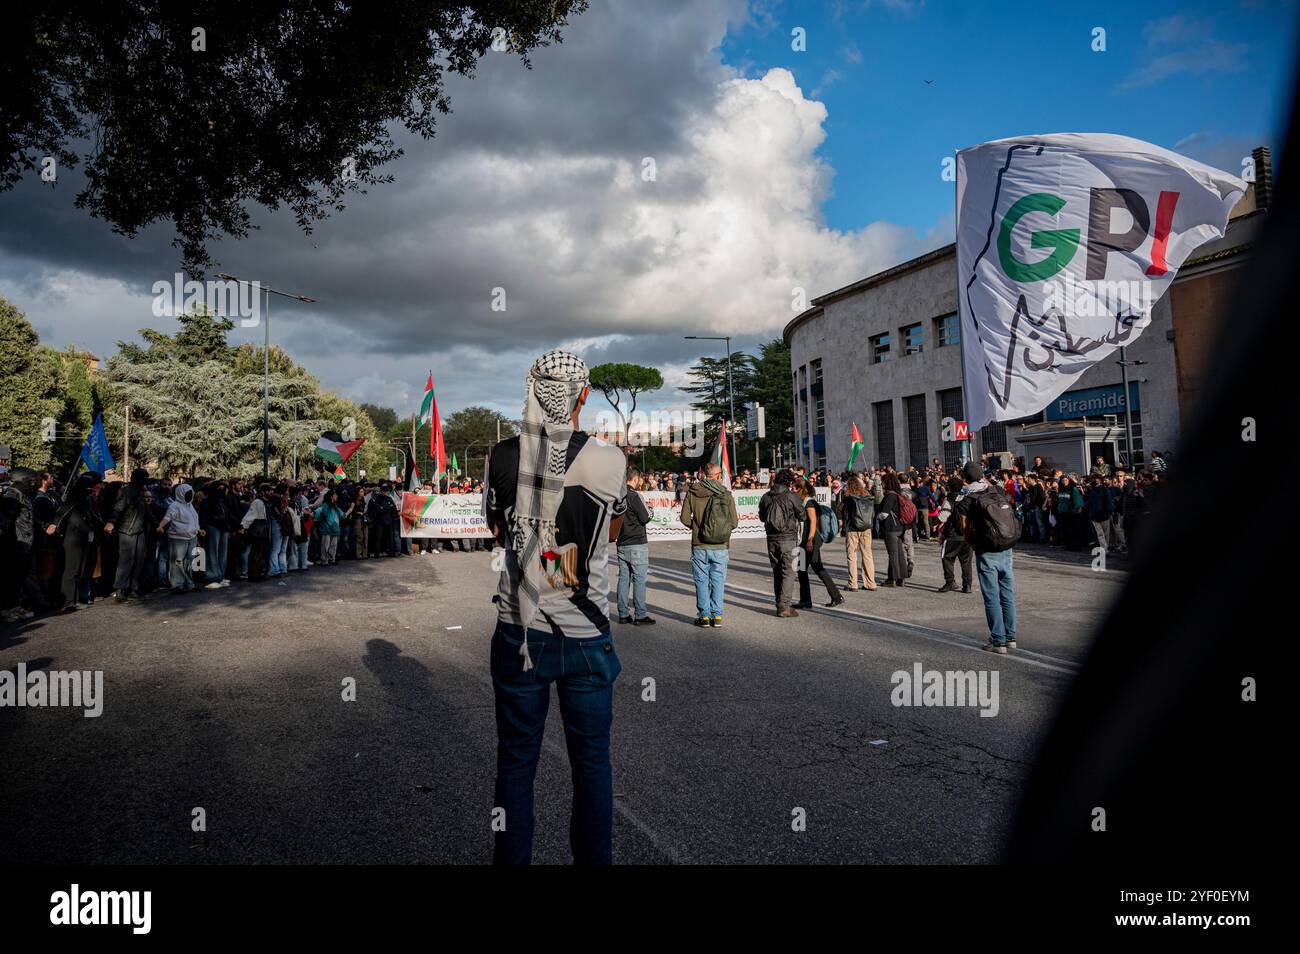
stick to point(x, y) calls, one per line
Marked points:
point(1065, 242)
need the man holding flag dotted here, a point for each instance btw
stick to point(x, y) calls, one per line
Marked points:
point(1065, 242)
point(710, 511)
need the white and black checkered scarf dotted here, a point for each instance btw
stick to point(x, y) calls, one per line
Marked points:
point(555, 382)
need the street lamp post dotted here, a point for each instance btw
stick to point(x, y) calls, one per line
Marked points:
point(731, 394)
point(266, 363)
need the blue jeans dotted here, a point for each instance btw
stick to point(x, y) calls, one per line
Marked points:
point(277, 549)
point(218, 545)
point(583, 671)
point(180, 552)
point(709, 567)
point(998, 588)
point(1036, 525)
point(633, 565)
point(298, 555)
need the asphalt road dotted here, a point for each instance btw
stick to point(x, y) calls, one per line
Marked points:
point(231, 701)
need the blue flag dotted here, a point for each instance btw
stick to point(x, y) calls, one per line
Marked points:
point(95, 451)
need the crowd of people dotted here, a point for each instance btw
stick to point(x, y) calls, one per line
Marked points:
point(64, 547)
point(976, 512)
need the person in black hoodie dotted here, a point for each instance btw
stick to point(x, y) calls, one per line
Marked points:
point(633, 555)
point(889, 509)
point(131, 520)
point(79, 523)
point(216, 516)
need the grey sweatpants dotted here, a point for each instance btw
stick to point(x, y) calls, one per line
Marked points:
point(132, 554)
point(780, 553)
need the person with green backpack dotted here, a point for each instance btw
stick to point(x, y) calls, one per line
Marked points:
point(710, 511)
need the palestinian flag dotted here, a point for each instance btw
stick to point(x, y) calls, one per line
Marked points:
point(721, 457)
point(429, 415)
point(333, 449)
point(855, 446)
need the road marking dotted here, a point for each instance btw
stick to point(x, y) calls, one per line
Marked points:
point(960, 640)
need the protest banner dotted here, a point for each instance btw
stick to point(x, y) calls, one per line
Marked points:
point(426, 516)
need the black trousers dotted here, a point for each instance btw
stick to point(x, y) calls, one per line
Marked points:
point(259, 558)
point(15, 562)
point(76, 548)
point(953, 552)
point(897, 558)
point(813, 561)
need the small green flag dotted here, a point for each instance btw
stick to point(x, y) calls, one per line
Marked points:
point(454, 466)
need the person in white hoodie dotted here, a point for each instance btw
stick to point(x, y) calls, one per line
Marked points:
point(181, 524)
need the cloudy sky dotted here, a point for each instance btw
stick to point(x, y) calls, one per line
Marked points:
point(775, 169)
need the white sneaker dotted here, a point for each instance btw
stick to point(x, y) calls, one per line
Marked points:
point(225, 583)
point(214, 585)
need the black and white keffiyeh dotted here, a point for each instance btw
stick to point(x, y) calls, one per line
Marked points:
point(555, 382)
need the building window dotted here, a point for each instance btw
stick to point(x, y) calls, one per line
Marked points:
point(884, 433)
point(947, 330)
point(815, 370)
point(913, 339)
point(993, 438)
point(880, 348)
point(950, 406)
point(819, 419)
point(918, 439)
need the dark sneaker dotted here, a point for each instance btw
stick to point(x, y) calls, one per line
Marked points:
point(946, 588)
point(992, 647)
point(702, 621)
point(966, 589)
point(715, 622)
point(838, 601)
point(626, 619)
point(802, 605)
point(644, 621)
point(788, 612)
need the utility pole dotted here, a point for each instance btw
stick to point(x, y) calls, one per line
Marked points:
point(126, 444)
point(1123, 363)
point(266, 362)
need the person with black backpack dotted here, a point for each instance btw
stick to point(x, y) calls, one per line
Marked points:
point(710, 511)
point(781, 513)
point(897, 514)
point(993, 530)
point(818, 528)
point(857, 512)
